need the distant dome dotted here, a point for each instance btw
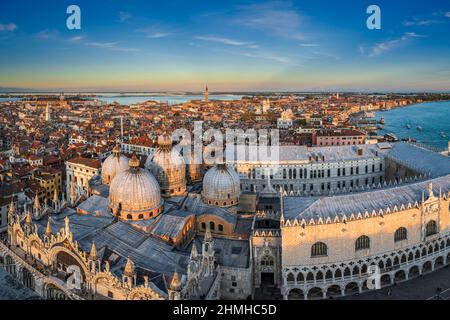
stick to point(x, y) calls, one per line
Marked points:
point(221, 186)
point(134, 194)
point(168, 167)
point(113, 165)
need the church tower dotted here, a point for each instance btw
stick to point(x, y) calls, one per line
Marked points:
point(47, 113)
point(206, 94)
point(208, 253)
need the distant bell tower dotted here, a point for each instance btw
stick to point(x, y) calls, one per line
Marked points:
point(47, 113)
point(206, 94)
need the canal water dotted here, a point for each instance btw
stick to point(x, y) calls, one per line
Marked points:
point(432, 117)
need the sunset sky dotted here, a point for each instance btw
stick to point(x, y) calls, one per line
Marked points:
point(231, 45)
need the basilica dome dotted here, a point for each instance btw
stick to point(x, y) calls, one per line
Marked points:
point(113, 165)
point(168, 167)
point(134, 194)
point(221, 186)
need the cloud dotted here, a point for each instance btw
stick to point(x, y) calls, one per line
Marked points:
point(389, 45)
point(110, 46)
point(157, 35)
point(277, 18)
point(154, 32)
point(227, 41)
point(276, 58)
point(47, 34)
point(417, 22)
point(124, 16)
point(447, 14)
point(8, 27)
point(77, 38)
point(113, 46)
point(309, 44)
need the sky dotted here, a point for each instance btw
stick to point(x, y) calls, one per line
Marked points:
point(180, 45)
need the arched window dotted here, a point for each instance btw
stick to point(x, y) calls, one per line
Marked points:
point(203, 225)
point(129, 216)
point(400, 234)
point(319, 249)
point(431, 228)
point(211, 226)
point(220, 228)
point(362, 243)
point(290, 277)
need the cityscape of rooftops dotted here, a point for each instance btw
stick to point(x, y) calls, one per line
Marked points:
point(225, 150)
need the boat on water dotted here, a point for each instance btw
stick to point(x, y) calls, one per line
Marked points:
point(368, 114)
point(382, 120)
point(390, 137)
point(419, 128)
point(408, 126)
point(442, 134)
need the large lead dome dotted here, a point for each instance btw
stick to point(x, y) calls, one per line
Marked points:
point(221, 186)
point(134, 194)
point(113, 165)
point(168, 167)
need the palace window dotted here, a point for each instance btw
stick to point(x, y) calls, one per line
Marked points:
point(431, 228)
point(400, 234)
point(319, 249)
point(290, 277)
point(362, 243)
point(211, 225)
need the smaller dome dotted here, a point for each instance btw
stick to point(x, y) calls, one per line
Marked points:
point(221, 186)
point(168, 167)
point(113, 165)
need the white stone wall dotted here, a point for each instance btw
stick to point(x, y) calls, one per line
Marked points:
point(79, 173)
point(254, 176)
point(395, 259)
point(236, 283)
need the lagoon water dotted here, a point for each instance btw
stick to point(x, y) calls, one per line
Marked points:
point(171, 99)
point(433, 117)
point(128, 99)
